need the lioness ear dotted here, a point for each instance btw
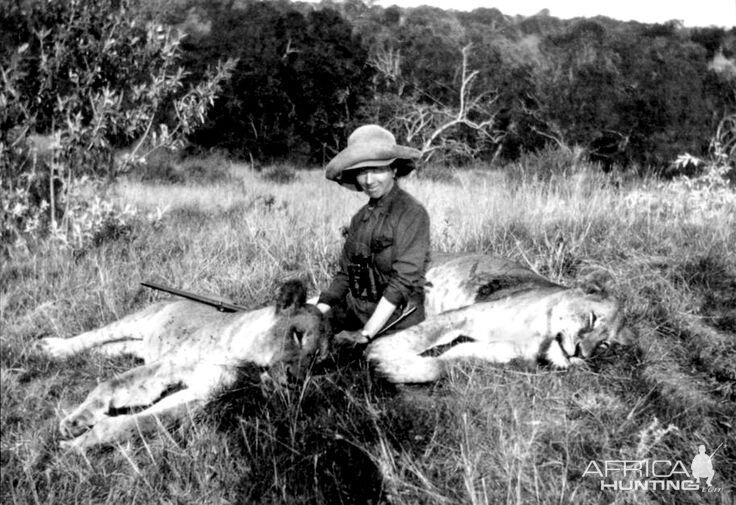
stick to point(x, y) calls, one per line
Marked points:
point(596, 283)
point(592, 318)
point(292, 295)
point(297, 336)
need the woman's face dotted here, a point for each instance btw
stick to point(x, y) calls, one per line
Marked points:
point(376, 181)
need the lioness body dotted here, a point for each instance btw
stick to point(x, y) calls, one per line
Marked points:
point(496, 310)
point(459, 280)
point(182, 330)
point(477, 307)
point(190, 352)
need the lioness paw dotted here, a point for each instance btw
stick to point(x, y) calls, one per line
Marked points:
point(72, 427)
point(577, 361)
point(557, 357)
point(55, 347)
point(80, 443)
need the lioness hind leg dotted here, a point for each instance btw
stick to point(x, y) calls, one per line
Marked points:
point(409, 369)
point(131, 330)
point(397, 361)
point(115, 428)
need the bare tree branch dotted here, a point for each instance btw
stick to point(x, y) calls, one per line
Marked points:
point(432, 125)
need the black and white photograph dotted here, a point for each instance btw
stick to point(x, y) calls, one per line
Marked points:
point(367, 252)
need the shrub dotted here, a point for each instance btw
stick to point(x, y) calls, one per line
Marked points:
point(105, 74)
point(437, 173)
point(90, 221)
point(281, 173)
point(208, 169)
point(166, 166)
point(546, 164)
point(161, 165)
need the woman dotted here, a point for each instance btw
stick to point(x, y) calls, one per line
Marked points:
point(380, 280)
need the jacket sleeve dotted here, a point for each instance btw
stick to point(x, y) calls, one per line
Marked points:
point(411, 247)
point(340, 285)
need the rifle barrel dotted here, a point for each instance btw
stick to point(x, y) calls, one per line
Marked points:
point(218, 304)
point(409, 310)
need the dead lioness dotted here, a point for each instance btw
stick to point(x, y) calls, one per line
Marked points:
point(496, 310)
point(190, 351)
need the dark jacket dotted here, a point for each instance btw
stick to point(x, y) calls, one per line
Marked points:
point(390, 236)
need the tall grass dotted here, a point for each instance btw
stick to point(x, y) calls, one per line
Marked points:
point(486, 434)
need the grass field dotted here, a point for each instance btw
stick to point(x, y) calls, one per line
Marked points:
point(486, 434)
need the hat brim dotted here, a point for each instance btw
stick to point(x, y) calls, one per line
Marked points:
point(343, 167)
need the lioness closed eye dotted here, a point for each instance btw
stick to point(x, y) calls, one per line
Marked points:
point(190, 351)
point(486, 308)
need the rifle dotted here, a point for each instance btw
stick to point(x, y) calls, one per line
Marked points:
point(224, 306)
point(409, 310)
point(220, 305)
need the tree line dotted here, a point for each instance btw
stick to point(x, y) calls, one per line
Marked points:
point(461, 85)
point(628, 92)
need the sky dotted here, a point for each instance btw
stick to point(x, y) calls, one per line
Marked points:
point(691, 12)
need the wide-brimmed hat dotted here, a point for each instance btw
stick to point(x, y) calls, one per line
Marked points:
point(370, 146)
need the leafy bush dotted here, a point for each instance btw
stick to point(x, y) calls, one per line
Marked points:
point(91, 220)
point(93, 75)
point(161, 165)
point(206, 169)
point(551, 162)
point(280, 173)
point(166, 166)
point(437, 173)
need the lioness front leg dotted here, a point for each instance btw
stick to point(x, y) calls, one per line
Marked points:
point(558, 358)
point(111, 429)
point(137, 388)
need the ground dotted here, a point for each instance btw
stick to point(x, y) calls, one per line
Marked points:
point(485, 434)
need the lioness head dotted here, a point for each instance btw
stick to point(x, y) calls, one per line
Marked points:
point(304, 330)
point(589, 318)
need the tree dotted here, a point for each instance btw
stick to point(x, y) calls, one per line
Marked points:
point(629, 94)
point(299, 80)
point(459, 131)
point(95, 75)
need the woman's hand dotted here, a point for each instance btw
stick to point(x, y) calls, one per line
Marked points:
point(323, 307)
point(352, 337)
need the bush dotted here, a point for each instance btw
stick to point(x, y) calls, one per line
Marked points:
point(281, 173)
point(166, 166)
point(437, 173)
point(160, 166)
point(209, 169)
point(548, 163)
point(105, 74)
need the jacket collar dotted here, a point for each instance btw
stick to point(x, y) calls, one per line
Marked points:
point(386, 200)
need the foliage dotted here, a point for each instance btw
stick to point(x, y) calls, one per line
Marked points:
point(703, 187)
point(281, 173)
point(165, 166)
point(632, 94)
point(457, 131)
point(93, 76)
point(299, 80)
point(550, 162)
